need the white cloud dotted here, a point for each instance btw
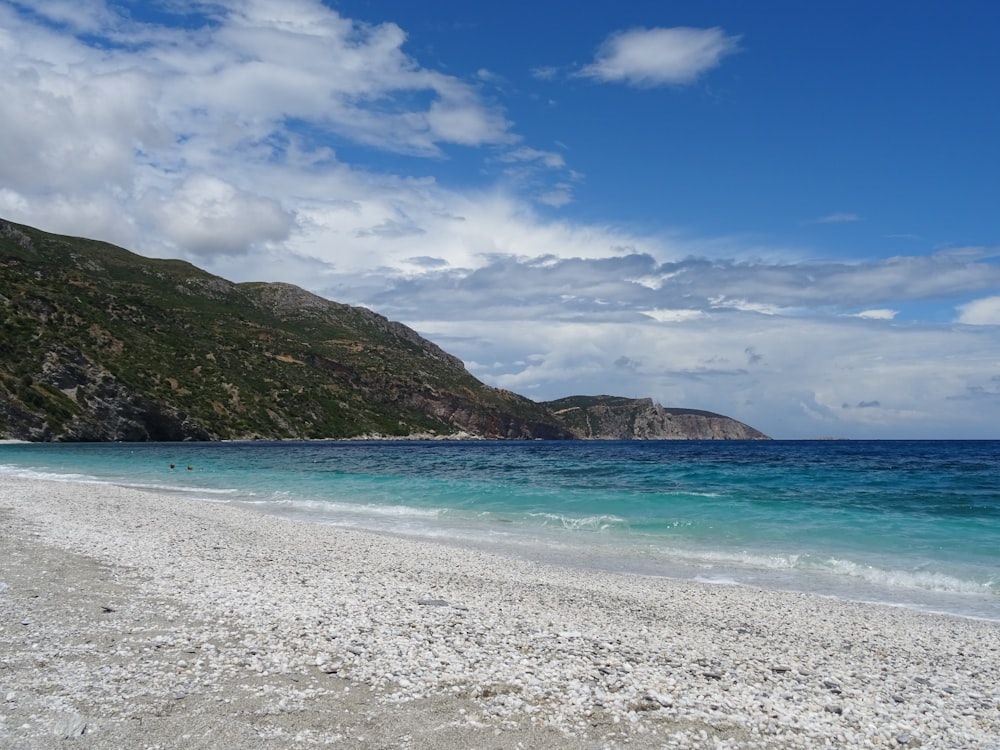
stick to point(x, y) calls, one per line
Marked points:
point(744, 305)
point(206, 215)
point(95, 134)
point(550, 262)
point(659, 56)
point(980, 312)
point(459, 118)
point(542, 174)
point(551, 159)
point(561, 195)
point(265, 65)
point(69, 127)
point(239, 84)
point(880, 314)
point(674, 316)
point(788, 377)
point(86, 17)
point(840, 217)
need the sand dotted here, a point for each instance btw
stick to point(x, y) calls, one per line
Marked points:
point(137, 620)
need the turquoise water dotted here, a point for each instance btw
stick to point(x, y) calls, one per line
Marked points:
point(909, 523)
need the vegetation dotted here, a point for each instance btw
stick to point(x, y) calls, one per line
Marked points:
point(94, 335)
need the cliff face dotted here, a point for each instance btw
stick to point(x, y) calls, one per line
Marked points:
point(617, 418)
point(74, 398)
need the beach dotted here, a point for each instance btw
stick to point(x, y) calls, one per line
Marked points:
point(133, 619)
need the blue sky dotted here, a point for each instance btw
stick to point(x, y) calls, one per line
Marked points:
point(782, 211)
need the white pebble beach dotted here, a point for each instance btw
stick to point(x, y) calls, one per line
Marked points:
point(139, 620)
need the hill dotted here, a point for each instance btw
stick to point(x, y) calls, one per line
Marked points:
point(618, 418)
point(99, 344)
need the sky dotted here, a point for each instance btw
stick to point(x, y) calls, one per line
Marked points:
point(785, 212)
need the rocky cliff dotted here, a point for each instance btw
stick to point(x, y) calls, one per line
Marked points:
point(617, 418)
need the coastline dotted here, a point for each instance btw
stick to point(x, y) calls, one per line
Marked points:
point(134, 619)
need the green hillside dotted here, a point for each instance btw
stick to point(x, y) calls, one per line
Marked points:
point(101, 344)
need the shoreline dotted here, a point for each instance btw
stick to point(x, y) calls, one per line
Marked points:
point(233, 627)
point(595, 557)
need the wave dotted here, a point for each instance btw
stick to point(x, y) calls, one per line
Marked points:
point(888, 578)
point(925, 580)
point(50, 476)
point(624, 542)
point(156, 487)
point(285, 502)
point(53, 476)
point(587, 523)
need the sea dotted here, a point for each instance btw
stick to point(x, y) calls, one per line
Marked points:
point(905, 523)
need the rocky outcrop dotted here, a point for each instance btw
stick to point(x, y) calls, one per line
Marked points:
point(287, 299)
point(489, 421)
point(617, 418)
point(86, 403)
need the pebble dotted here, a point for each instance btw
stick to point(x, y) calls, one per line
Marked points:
point(582, 651)
point(72, 726)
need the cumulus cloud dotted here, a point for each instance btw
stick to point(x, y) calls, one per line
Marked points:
point(551, 325)
point(83, 17)
point(263, 69)
point(206, 215)
point(659, 56)
point(67, 128)
point(980, 312)
point(96, 103)
point(560, 195)
point(880, 314)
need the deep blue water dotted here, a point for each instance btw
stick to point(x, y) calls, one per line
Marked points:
point(909, 523)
